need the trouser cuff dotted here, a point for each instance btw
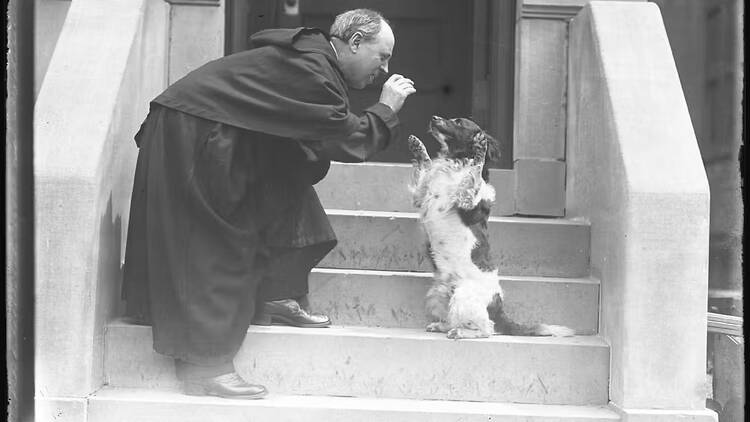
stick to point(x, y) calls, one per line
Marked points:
point(190, 371)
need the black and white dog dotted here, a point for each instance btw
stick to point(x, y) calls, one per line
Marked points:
point(454, 198)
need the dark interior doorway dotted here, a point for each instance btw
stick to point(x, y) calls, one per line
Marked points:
point(443, 45)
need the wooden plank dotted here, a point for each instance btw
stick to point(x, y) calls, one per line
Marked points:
point(542, 88)
point(724, 294)
point(725, 324)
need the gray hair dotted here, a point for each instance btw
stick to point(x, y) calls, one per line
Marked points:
point(365, 21)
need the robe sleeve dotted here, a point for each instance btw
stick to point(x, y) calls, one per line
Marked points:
point(376, 127)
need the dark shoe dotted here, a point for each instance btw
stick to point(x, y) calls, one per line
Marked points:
point(230, 386)
point(289, 312)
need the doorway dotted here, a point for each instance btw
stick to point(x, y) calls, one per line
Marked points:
point(443, 45)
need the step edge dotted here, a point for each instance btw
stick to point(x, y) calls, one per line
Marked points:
point(172, 395)
point(407, 166)
point(409, 215)
point(594, 341)
point(426, 274)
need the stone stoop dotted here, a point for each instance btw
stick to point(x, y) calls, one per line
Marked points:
point(377, 363)
point(396, 298)
point(388, 362)
point(395, 241)
point(168, 405)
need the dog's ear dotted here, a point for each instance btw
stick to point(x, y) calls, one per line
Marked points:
point(493, 148)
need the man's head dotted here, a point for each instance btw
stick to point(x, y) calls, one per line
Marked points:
point(364, 44)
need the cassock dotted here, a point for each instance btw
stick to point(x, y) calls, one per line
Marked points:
point(223, 199)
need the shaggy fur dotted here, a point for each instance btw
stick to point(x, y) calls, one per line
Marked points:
point(454, 198)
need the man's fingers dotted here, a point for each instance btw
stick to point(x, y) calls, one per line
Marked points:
point(395, 77)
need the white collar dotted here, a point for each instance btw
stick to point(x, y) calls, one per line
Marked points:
point(334, 49)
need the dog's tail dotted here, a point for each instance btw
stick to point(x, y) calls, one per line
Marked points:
point(505, 325)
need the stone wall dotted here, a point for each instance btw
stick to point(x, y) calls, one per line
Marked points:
point(112, 57)
point(108, 62)
point(635, 172)
point(49, 17)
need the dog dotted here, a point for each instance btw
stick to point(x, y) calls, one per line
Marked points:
point(454, 199)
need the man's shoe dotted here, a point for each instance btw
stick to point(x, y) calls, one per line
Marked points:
point(230, 386)
point(289, 312)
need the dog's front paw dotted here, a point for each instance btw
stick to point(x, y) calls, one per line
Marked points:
point(418, 150)
point(480, 148)
point(467, 194)
point(465, 200)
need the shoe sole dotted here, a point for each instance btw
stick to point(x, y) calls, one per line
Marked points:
point(280, 320)
point(191, 390)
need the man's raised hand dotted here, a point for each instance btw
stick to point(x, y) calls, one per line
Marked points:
point(395, 90)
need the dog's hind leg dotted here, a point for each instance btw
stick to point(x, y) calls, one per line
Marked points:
point(467, 313)
point(464, 332)
point(436, 305)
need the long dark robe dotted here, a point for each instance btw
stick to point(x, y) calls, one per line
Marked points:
point(221, 196)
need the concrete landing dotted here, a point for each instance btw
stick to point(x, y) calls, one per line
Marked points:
point(384, 187)
point(396, 299)
point(389, 363)
point(165, 405)
point(395, 241)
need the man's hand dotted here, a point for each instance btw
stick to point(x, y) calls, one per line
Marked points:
point(395, 90)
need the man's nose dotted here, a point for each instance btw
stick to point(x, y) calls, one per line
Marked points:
point(384, 68)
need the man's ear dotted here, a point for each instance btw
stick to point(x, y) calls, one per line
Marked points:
point(355, 40)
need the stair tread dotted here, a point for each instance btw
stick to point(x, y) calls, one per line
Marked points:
point(389, 362)
point(383, 240)
point(402, 334)
point(499, 219)
point(172, 395)
point(427, 274)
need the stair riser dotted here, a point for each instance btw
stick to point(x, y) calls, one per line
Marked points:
point(384, 187)
point(518, 247)
point(478, 371)
point(259, 411)
point(303, 363)
point(397, 300)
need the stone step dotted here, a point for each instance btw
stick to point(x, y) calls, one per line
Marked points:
point(384, 187)
point(393, 241)
point(388, 363)
point(396, 299)
point(167, 405)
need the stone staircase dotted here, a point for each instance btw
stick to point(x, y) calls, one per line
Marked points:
point(377, 363)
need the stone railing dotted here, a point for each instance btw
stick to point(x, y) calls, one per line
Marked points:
point(111, 59)
point(635, 172)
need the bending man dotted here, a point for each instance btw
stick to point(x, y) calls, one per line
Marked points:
point(224, 223)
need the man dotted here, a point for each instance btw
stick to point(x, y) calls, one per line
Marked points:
point(223, 213)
